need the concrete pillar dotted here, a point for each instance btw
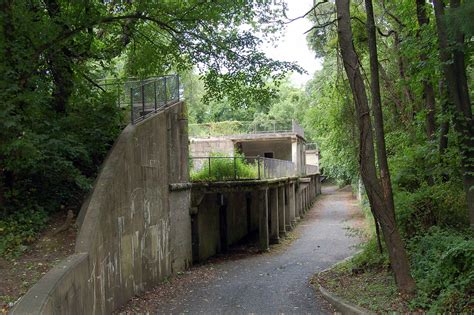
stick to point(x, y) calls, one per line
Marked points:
point(263, 239)
point(294, 152)
point(281, 211)
point(287, 207)
point(274, 233)
point(292, 204)
point(297, 204)
point(308, 195)
point(305, 200)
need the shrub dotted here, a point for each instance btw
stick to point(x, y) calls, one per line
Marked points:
point(53, 162)
point(441, 204)
point(20, 228)
point(442, 265)
point(224, 167)
point(370, 256)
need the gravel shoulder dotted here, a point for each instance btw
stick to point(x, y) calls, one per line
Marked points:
point(273, 282)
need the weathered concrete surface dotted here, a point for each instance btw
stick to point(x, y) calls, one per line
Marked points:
point(281, 148)
point(276, 282)
point(134, 232)
point(224, 213)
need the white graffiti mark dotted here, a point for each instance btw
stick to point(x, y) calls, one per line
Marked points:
point(147, 213)
point(132, 198)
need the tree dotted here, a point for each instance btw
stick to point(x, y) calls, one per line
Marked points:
point(428, 90)
point(57, 122)
point(378, 192)
point(452, 55)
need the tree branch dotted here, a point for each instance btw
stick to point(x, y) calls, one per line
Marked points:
point(306, 14)
point(321, 25)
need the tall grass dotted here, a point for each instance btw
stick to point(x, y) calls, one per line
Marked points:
point(223, 167)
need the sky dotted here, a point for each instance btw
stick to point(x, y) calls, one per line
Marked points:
point(293, 45)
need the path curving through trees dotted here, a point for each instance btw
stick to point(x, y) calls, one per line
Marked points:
point(274, 282)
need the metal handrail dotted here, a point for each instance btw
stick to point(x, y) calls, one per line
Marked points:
point(144, 97)
point(231, 168)
point(233, 128)
point(153, 94)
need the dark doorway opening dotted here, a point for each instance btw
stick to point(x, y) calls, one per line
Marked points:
point(268, 155)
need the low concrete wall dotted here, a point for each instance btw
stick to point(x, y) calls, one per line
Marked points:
point(135, 229)
point(225, 213)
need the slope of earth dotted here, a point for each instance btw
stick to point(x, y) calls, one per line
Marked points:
point(17, 275)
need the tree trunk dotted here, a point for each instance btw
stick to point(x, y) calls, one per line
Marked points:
point(454, 68)
point(409, 99)
point(60, 65)
point(428, 90)
point(375, 192)
point(444, 127)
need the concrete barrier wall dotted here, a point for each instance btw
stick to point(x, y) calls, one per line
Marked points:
point(260, 211)
point(134, 232)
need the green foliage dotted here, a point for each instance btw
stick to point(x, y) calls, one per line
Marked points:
point(56, 124)
point(370, 257)
point(441, 205)
point(20, 228)
point(223, 167)
point(329, 121)
point(442, 267)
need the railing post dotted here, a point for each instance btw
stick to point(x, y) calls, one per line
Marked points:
point(131, 104)
point(258, 163)
point(177, 85)
point(235, 168)
point(143, 100)
point(166, 91)
point(154, 93)
point(209, 166)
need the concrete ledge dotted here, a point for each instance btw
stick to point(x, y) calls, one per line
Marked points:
point(342, 305)
point(40, 299)
point(180, 186)
point(239, 185)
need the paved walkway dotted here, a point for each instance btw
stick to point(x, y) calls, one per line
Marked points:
point(277, 282)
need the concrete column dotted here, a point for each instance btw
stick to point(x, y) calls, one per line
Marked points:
point(297, 204)
point(305, 200)
point(274, 233)
point(292, 204)
point(294, 152)
point(318, 189)
point(263, 239)
point(281, 211)
point(287, 207)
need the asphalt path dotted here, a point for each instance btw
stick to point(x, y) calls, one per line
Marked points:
point(278, 281)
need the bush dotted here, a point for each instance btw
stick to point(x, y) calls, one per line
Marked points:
point(442, 265)
point(224, 167)
point(53, 163)
point(370, 256)
point(441, 204)
point(20, 228)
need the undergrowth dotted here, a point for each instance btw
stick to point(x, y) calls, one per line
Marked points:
point(223, 167)
point(432, 220)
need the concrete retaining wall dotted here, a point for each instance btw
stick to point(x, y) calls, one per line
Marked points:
point(135, 231)
point(258, 211)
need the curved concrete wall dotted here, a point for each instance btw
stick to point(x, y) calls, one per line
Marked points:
point(135, 231)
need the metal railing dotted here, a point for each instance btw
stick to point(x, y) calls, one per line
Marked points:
point(153, 94)
point(229, 168)
point(311, 169)
point(232, 128)
point(143, 96)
